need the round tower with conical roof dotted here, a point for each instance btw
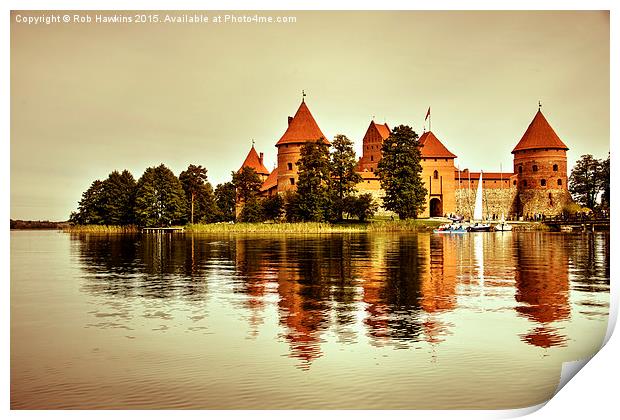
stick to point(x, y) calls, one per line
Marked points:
point(302, 128)
point(540, 165)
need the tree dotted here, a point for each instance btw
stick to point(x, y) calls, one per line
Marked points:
point(207, 211)
point(247, 183)
point(587, 181)
point(313, 185)
point(247, 186)
point(362, 206)
point(91, 206)
point(273, 207)
point(252, 211)
point(400, 171)
point(160, 199)
point(119, 191)
point(225, 201)
point(193, 179)
point(343, 176)
point(606, 197)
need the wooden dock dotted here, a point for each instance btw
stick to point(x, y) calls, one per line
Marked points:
point(163, 229)
point(583, 224)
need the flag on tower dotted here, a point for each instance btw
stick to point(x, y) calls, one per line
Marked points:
point(428, 113)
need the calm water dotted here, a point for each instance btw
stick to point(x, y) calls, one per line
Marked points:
point(291, 321)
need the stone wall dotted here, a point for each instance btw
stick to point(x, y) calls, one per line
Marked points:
point(373, 188)
point(495, 202)
point(548, 202)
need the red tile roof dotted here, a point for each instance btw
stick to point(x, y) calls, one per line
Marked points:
point(271, 181)
point(431, 147)
point(539, 135)
point(302, 128)
point(485, 175)
point(253, 161)
point(383, 129)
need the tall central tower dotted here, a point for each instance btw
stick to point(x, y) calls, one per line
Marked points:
point(302, 128)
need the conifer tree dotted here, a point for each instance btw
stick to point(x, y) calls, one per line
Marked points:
point(225, 201)
point(400, 173)
point(118, 198)
point(193, 180)
point(160, 199)
point(91, 206)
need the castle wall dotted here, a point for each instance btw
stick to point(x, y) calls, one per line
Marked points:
point(372, 185)
point(548, 202)
point(495, 202)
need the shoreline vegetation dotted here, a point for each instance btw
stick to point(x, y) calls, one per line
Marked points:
point(409, 225)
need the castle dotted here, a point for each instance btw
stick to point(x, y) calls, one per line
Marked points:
point(538, 184)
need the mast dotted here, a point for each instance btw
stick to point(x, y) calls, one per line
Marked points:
point(478, 208)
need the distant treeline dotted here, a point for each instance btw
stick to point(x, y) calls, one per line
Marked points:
point(36, 224)
point(158, 198)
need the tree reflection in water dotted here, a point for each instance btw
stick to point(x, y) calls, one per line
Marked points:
point(392, 288)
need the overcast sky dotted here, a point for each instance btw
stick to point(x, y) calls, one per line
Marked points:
point(90, 98)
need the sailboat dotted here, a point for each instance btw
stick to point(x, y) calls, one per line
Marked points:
point(478, 226)
point(502, 226)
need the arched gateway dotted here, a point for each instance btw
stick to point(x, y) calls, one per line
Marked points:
point(436, 208)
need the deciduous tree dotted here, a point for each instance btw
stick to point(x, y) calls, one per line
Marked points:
point(399, 171)
point(313, 185)
point(586, 181)
point(343, 175)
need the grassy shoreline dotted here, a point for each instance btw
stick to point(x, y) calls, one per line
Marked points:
point(415, 225)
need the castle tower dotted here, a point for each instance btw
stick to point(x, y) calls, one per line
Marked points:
point(372, 142)
point(438, 176)
point(255, 161)
point(540, 166)
point(302, 128)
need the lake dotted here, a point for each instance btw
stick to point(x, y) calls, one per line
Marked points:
point(361, 320)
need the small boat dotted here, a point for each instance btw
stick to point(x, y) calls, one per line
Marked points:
point(480, 227)
point(503, 227)
point(450, 228)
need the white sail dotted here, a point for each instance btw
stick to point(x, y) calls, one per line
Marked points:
point(478, 208)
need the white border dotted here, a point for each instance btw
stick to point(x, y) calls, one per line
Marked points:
point(592, 394)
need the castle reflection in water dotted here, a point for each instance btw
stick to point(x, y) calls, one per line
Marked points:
point(393, 287)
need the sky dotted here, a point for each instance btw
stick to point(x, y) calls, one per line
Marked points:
point(90, 98)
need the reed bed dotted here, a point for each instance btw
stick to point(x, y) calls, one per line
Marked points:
point(101, 229)
point(313, 227)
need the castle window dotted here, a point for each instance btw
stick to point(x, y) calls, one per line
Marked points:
point(435, 175)
point(292, 181)
point(520, 169)
point(543, 182)
point(371, 170)
point(435, 160)
point(535, 168)
point(290, 166)
point(555, 168)
point(559, 182)
point(524, 183)
point(372, 158)
point(514, 182)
